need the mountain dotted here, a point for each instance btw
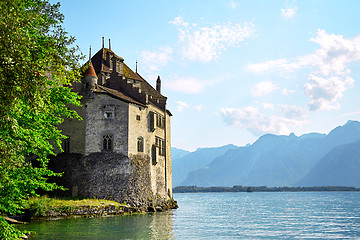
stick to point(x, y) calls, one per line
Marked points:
point(178, 153)
point(195, 160)
point(273, 160)
point(340, 167)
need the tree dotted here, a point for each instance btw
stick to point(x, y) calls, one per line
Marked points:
point(37, 61)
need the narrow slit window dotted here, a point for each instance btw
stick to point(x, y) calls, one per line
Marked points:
point(66, 146)
point(140, 144)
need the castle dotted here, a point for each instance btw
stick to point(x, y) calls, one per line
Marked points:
point(125, 122)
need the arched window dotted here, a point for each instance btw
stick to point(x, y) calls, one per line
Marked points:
point(107, 142)
point(140, 144)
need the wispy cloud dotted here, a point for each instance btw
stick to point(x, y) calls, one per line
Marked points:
point(329, 74)
point(293, 112)
point(286, 91)
point(350, 114)
point(324, 92)
point(268, 106)
point(258, 123)
point(263, 88)
point(198, 107)
point(187, 85)
point(181, 106)
point(200, 43)
point(153, 61)
point(288, 12)
point(234, 4)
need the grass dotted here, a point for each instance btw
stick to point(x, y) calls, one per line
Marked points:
point(39, 205)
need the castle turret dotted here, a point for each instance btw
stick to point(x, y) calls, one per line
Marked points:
point(89, 82)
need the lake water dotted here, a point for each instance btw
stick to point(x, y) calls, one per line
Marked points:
point(307, 215)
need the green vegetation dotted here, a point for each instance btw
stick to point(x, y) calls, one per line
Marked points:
point(39, 205)
point(36, 61)
point(194, 189)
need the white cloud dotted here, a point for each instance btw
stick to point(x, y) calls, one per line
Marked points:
point(188, 85)
point(181, 105)
point(179, 22)
point(286, 91)
point(329, 73)
point(332, 57)
point(263, 88)
point(350, 114)
point(198, 107)
point(288, 12)
point(324, 92)
point(234, 5)
point(258, 123)
point(293, 112)
point(207, 43)
point(268, 106)
point(151, 62)
point(335, 53)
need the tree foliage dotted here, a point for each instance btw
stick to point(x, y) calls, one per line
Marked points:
point(37, 60)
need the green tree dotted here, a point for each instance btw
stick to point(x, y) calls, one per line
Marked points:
point(37, 60)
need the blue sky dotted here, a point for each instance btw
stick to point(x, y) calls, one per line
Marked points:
point(235, 70)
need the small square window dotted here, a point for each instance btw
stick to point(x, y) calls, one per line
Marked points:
point(109, 111)
point(108, 114)
point(138, 117)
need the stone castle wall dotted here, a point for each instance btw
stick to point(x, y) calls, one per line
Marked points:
point(107, 176)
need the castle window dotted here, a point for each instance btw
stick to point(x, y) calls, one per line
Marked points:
point(108, 115)
point(152, 121)
point(107, 142)
point(160, 121)
point(140, 144)
point(160, 144)
point(154, 154)
point(66, 145)
point(109, 112)
point(138, 117)
point(157, 120)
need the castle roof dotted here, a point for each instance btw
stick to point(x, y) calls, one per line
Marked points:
point(101, 65)
point(117, 94)
point(90, 71)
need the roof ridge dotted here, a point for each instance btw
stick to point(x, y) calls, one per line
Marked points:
point(120, 95)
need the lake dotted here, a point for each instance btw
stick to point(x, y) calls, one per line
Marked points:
point(257, 215)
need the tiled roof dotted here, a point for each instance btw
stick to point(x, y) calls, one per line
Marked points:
point(148, 88)
point(101, 65)
point(117, 94)
point(99, 60)
point(90, 71)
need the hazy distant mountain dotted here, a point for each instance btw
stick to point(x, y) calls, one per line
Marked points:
point(195, 160)
point(340, 167)
point(178, 153)
point(273, 160)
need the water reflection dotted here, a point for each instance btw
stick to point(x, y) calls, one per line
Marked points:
point(142, 226)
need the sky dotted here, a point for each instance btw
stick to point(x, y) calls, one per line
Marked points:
point(234, 70)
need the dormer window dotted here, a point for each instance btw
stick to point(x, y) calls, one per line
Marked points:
point(109, 112)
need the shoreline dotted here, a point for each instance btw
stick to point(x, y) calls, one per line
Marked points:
point(49, 209)
point(195, 189)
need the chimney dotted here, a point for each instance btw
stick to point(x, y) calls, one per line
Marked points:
point(109, 44)
point(103, 45)
point(90, 53)
point(158, 84)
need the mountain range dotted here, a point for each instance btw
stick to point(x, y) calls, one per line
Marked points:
point(312, 159)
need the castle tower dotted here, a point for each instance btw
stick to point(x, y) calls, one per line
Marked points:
point(89, 82)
